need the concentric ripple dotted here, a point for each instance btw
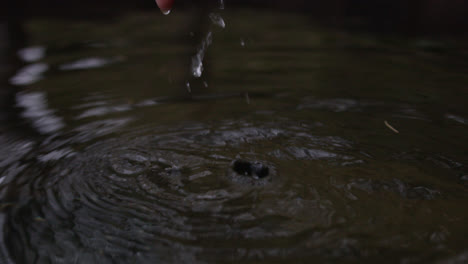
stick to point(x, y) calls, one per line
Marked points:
point(230, 191)
point(141, 196)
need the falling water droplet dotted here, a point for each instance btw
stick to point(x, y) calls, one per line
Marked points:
point(242, 42)
point(217, 20)
point(197, 60)
point(205, 84)
point(221, 4)
point(189, 89)
point(166, 11)
point(197, 65)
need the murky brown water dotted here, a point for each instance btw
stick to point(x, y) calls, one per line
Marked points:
point(106, 157)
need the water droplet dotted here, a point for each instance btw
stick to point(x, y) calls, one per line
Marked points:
point(197, 60)
point(197, 65)
point(166, 11)
point(205, 84)
point(217, 20)
point(242, 42)
point(189, 89)
point(247, 98)
point(221, 4)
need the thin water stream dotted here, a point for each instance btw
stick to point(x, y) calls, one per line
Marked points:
point(286, 156)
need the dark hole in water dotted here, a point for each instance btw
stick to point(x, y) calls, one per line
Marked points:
point(247, 168)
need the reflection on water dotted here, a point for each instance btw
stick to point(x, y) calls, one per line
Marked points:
point(32, 54)
point(29, 74)
point(284, 157)
point(36, 110)
point(88, 63)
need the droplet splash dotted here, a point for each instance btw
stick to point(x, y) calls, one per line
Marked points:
point(197, 59)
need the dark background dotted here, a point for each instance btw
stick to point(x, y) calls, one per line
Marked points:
point(414, 16)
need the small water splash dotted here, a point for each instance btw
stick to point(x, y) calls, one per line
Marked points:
point(197, 60)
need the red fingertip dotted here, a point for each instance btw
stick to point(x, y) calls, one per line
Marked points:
point(165, 5)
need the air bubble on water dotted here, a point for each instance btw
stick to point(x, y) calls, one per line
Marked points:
point(197, 60)
point(166, 11)
point(217, 20)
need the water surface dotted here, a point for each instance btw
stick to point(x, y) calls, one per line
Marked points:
point(107, 158)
